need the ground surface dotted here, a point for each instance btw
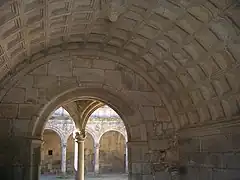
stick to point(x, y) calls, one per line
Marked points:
point(89, 177)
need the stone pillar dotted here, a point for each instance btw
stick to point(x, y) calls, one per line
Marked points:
point(96, 158)
point(126, 158)
point(79, 137)
point(64, 158)
point(35, 159)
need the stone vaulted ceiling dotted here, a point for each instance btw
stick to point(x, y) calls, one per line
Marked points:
point(189, 47)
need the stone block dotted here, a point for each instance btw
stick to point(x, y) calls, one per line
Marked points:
point(135, 131)
point(27, 81)
point(21, 126)
point(162, 175)
point(190, 145)
point(4, 128)
point(148, 113)
point(148, 177)
point(41, 70)
point(68, 82)
point(113, 78)
point(135, 176)
point(92, 75)
point(79, 62)
point(205, 173)
point(60, 68)
point(235, 139)
point(31, 95)
point(8, 110)
point(146, 98)
point(104, 64)
point(141, 84)
point(162, 114)
point(128, 79)
point(136, 168)
point(27, 110)
point(45, 81)
point(146, 168)
point(198, 158)
point(192, 173)
point(231, 160)
point(213, 160)
point(139, 132)
point(15, 95)
point(158, 144)
point(226, 174)
point(149, 127)
point(138, 152)
point(216, 143)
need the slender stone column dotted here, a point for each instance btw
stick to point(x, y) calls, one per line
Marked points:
point(75, 156)
point(79, 137)
point(126, 158)
point(64, 158)
point(96, 158)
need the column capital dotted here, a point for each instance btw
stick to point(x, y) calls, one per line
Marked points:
point(79, 136)
point(97, 145)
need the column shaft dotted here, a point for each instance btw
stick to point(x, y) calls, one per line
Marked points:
point(126, 159)
point(80, 164)
point(64, 158)
point(96, 159)
point(79, 137)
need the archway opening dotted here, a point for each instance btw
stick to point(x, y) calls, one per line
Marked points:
point(57, 129)
point(112, 153)
point(110, 144)
point(51, 152)
point(80, 105)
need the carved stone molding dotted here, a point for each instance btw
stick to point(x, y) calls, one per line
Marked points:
point(79, 135)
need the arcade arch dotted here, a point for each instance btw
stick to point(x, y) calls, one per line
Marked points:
point(112, 152)
point(51, 152)
point(100, 121)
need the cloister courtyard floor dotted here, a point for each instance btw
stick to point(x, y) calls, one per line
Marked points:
point(88, 177)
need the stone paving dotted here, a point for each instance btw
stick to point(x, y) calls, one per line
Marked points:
point(89, 177)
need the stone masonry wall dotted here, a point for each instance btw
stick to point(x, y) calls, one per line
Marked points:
point(213, 156)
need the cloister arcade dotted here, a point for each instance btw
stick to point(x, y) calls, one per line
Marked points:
point(102, 121)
